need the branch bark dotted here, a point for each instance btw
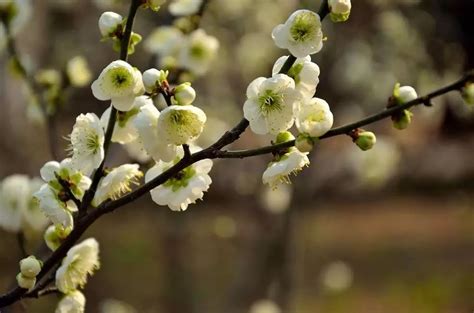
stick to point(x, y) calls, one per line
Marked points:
point(345, 129)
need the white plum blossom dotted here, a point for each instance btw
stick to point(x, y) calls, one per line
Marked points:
point(304, 72)
point(14, 193)
point(55, 208)
point(81, 260)
point(146, 123)
point(119, 82)
point(301, 34)
point(153, 79)
point(185, 7)
point(73, 302)
point(198, 52)
point(117, 182)
point(270, 104)
point(339, 6)
point(87, 143)
point(109, 23)
point(184, 94)
point(125, 130)
point(52, 197)
point(136, 151)
point(18, 210)
point(184, 188)
point(340, 10)
point(164, 41)
point(279, 170)
point(314, 117)
point(78, 71)
point(33, 217)
point(180, 124)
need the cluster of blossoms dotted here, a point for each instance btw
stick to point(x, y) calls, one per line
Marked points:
point(193, 52)
point(81, 260)
point(277, 103)
point(274, 105)
point(14, 14)
point(180, 46)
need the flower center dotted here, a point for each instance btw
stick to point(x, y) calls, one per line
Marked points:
point(270, 101)
point(316, 117)
point(120, 78)
point(181, 118)
point(92, 142)
point(198, 51)
point(181, 179)
point(304, 27)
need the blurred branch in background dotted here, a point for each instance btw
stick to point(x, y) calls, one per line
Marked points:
point(34, 88)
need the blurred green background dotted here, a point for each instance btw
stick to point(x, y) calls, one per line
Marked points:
point(389, 230)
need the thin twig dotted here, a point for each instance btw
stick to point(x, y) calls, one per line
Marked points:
point(98, 174)
point(343, 130)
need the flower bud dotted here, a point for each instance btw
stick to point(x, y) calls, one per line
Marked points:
point(25, 282)
point(467, 93)
point(109, 22)
point(402, 119)
point(30, 267)
point(404, 94)
point(184, 94)
point(284, 137)
point(54, 236)
point(340, 10)
point(153, 78)
point(135, 39)
point(365, 140)
point(304, 143)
